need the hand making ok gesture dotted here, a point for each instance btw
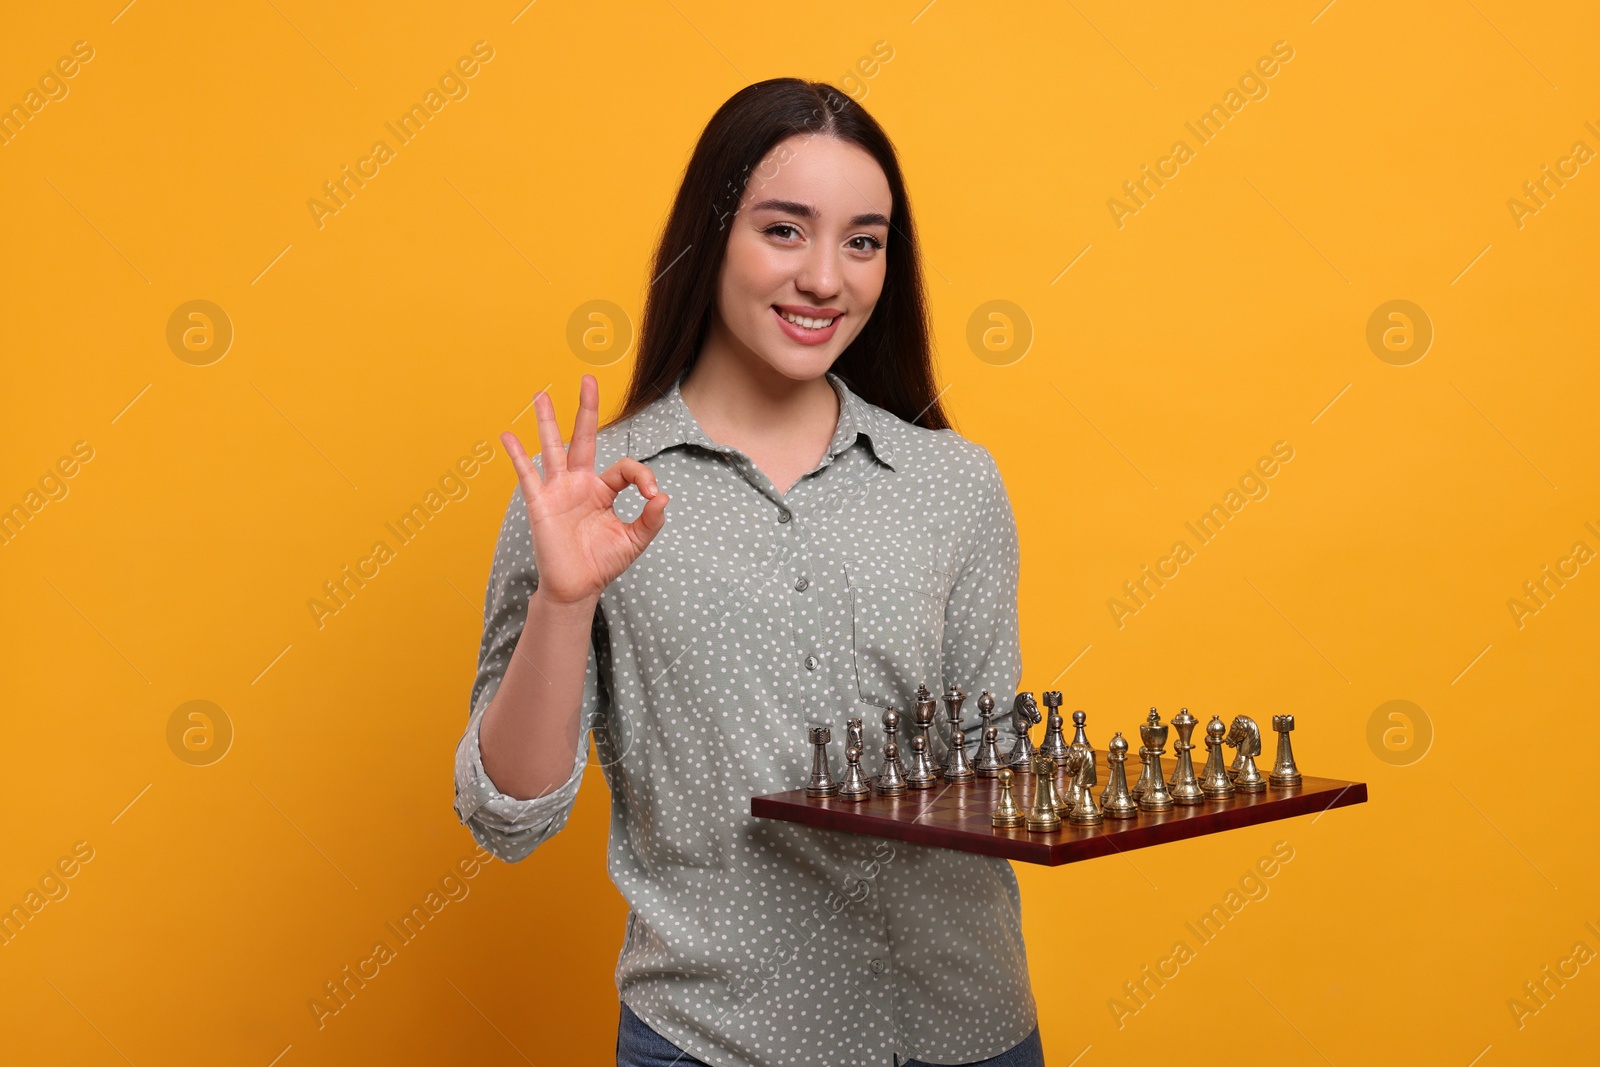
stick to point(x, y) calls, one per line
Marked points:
point(579, 544)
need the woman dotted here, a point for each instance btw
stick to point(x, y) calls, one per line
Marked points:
point(830, 544)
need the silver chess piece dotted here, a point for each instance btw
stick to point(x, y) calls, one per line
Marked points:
point(989, 760)
point(1024, 717)
point(856, 786)
point(923, 774)
point(927, 711)
point(822, 783)
point(1078, 735)
point(1155, 796)
point(1284, 772)
point(1007, 814)
point(1115, 801)
point(1054, 744)
point(891, 733)
point(1245, 736)
point(1085, 809)
point(1214, 782)
point(957, 767)
point(1185, 790)
point(891, 782)
point(1042, 817)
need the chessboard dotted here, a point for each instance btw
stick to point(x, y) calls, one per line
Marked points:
point(956, 815)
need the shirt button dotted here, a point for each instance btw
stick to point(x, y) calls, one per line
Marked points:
point(801, 584)
point(812, 663)
point(878, 966)
point(783, 516)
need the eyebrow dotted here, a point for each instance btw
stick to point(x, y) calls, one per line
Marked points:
point(805, 211)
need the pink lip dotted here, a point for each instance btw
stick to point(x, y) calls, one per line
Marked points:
point(804, 336)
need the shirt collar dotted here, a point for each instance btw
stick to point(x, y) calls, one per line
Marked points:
point(668, 422)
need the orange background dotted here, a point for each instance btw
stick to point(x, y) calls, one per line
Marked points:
point(370, 354)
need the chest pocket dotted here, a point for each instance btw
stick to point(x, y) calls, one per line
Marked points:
point(897, 618)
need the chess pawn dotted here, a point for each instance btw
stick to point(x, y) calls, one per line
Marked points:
point(1086, 810)
point(989, 759)
point(1024, 715)
point(891, 781)
point(856, 786)
point(923, 774)
point(1245, 736)
point(1054, 744)
point(1185, 790)
point(1007, 814)
point(1042, 817)
point(822, 783)
point(1143, 781)
point(1078, 736)
point(1214, 781)
point(1284, 772)
point(1115, 801)
point(1058, 799)
point(957, 767)
point(891, 734)
point(927, 711)
point(1155, 796)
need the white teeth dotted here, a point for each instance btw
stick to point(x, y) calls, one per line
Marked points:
point(808, 323)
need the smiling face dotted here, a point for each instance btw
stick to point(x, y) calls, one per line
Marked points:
point(806, 255)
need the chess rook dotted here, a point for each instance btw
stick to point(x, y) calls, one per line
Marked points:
point(1284, 772)
point(1042, 817)
point(821, 783)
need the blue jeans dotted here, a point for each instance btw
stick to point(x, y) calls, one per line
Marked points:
point(640, 1046)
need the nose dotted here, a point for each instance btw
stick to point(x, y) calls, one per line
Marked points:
point(818, 275)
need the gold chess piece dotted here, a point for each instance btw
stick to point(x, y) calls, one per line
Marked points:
point(1214, 782)
point(1284, 772)
point(1245, 736)
point(1155, 796)
point(1115, 801)
point(1007, 814)
point(1085, 809)
point(1042, 817)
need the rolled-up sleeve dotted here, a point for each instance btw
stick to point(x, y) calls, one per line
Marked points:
point(508, 827)
point(982, 644)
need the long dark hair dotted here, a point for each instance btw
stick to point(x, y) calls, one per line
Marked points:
point(890, 362)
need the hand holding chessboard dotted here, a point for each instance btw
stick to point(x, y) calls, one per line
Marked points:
point(1038, 805)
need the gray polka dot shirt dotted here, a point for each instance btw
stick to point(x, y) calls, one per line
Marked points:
point(751, 616)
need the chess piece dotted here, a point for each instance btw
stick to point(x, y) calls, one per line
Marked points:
point(822, 783)
point(1078, 736)
point(1185, 790)
point(1214, 782)
point(923, 774)
point(852, 733)
point(1115, 801)
point(1284, 773)
point(1054, 745)
point(856, 786)
point(1007, 814)
point(1058, 799)
point(957, 768)
point(1075, 755)
point(926, 712)
point(891, 782)
point(1155, 796)
point(1143, 781)
point(1245, 736)
point(1085, 810)
point(1042, 817)
point(989, 759)
point(1024, 716)
point(891, 734)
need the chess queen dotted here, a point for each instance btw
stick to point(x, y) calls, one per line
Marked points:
point(776, 529)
